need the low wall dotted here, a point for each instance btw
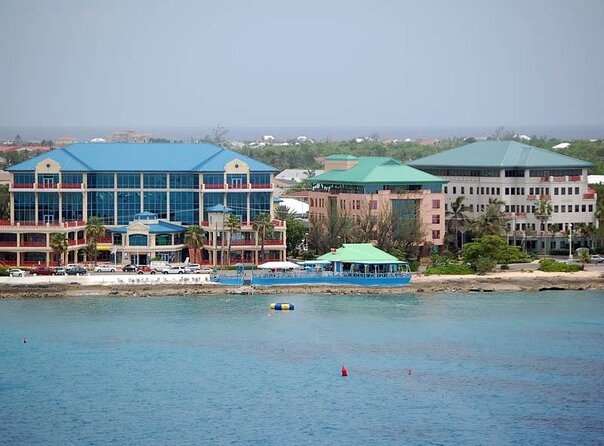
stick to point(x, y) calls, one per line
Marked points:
point(109, 279)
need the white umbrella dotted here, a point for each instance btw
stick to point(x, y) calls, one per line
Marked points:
point(279, 265)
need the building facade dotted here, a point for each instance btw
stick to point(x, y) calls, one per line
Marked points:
point(146, 195)
point(519, 175)
point(379, 185)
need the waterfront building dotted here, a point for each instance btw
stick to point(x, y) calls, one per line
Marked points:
point(380, 186)
point(146, 195)
point(519, 175)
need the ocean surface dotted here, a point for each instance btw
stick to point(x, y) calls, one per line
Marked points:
point(316, 132)
point(434, 369)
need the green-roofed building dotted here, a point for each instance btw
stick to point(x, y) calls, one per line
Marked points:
point(361, 257)
point(358, 185)
point(519, 175)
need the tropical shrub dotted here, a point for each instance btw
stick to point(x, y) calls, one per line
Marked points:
point(551, 266)
point(4, 271)
point(485, 264)
point(493, 247)
point(449, 269)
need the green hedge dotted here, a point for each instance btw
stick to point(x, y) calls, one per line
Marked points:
point(449, 269)
point(551, 266)
point(4, 270)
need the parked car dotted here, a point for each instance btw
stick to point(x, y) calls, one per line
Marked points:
point(42, 271)
point(597, 259)
point(193, 268)
point(60, 271)
point(16, 272)
point(75, 271)
point(145, 270)
point(130, 268)
point(175, 270)
point(104, 269)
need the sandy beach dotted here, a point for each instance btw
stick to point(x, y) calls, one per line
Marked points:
point(500, 281)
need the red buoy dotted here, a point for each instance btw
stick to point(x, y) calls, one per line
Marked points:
point(344, 371)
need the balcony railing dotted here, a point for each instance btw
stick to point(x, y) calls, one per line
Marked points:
point(273, 242)
point(105, 239)
point(47, 185)
point(23, 185)
point(589, 195)
point(71, 185)
point(8, 243)
point(243, 242)
point(33, 244)
point(260, 185)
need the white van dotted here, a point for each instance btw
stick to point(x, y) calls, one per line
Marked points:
point(159, 265)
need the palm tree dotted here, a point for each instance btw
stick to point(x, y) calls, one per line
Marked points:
point(587, 230)
point(458, 220)
point(284, 213)
point(492, 221)
point(194, 237)
point(263, 225)
point(543, 212)
point(60, 244)
point(94, 231)
point(233, 224)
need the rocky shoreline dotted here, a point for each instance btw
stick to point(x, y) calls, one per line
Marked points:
point(509, 281)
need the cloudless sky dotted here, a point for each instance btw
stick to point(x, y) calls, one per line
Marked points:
point(307, 63)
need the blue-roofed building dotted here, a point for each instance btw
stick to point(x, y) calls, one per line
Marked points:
point(124, 184)
point(519, 175)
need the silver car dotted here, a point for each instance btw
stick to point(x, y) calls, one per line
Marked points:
point(16, 272)
point(104, 269)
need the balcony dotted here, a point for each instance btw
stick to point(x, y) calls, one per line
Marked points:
point(8, 243)
point(260, 186)
point(243, 242)
point(274, 242)
point(47, 185)
point(33, 244)
point(106, 239)
point(22, 186)
point(589, 195)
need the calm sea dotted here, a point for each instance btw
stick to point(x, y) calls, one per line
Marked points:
point(485, 369)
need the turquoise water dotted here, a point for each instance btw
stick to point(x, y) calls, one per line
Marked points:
point(487, 369)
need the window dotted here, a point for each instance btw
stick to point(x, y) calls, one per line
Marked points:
point(260, 178)
point(48, 207)
point(238, 202)
point(514, 173)
point(209, 200)
point(531, 191)
point(507, 191)
point(513, 191)
point(25, 206)
point(471, 208)
point(128, 205)
point(507, 208)
point(72, 206)
point(237, 180)
point(184, 207)
point(471, 190)
point(436, 219)
point(591, 208)
point(454, 190)
point(555, 191)
point(48, 178)
point(435, 204)
point(156, 203)
point(576, 208)
point(576, 191)
point(436, 235)
point(563, 208)
point(373, 205)
point(498, 191)
point(213, 180)
point(570, 191)
point(583, 208)
point(137, 240)
point(163, 239)
point(482, 191)
point(71, 178)
point(100, 181)
point(260, 203)
point(563, 191)
point(128, 180)
point(100, 204)
point(25, 178)
point(184, 181)
point(155, 180)
point(446, 189)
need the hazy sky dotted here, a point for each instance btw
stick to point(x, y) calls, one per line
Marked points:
point(301, 63)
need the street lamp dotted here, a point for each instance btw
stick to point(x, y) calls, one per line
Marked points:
point(570, 241)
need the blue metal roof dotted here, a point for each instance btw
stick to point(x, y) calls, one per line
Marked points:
point(162, 227)
point(219, 208)
point(128, 157)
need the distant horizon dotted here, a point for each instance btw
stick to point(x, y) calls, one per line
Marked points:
point(335, 132)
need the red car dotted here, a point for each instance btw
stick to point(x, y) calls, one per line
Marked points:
point(42, 271)
point(145, 270)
